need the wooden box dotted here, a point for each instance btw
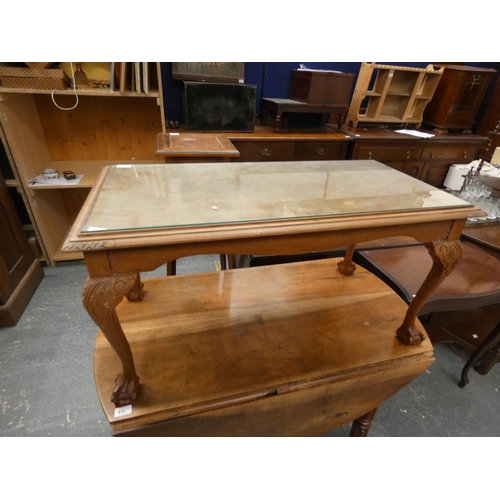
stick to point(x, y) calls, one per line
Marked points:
point(321, 87)
point(33, 78)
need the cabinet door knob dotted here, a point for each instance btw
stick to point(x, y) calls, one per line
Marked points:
point(321, 151)
point(465, 154)
point(407, 155)
point(266, 152)
point(369, 155)
point(431, 154)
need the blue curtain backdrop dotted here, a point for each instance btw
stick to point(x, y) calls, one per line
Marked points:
point(273, 80)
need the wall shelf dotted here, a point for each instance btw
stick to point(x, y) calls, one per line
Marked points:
point(390, 94)
point(105, 128)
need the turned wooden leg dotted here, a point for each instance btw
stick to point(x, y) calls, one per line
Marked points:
point(490, 341)
point(231, 261)
point(100, 298)
point(347, 266)
point(172, 268)
point(445, 256)
point(278, 122)
point(223, 261)
point(361, 425)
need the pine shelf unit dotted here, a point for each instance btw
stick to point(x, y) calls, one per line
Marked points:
point(392, 94)
point(105, 128)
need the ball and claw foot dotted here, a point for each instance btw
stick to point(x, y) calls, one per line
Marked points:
point(126, 391)
point(136, 294)
point(409, 336)
point(346, 267)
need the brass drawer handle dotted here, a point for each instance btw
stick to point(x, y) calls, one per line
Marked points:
point(321, 151)
point(431, 154)
point(465, 154)
point(407, 155)
point(369, 155)
point(266, 152)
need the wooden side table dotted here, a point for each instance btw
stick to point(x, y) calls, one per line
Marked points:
point(290, 350)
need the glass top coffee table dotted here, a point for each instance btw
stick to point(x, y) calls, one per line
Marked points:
point(138, 217)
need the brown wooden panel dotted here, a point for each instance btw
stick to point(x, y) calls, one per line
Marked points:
point(15, 254)
point(413, 168)
point(265, 150)
point(464, 152)
point(324, 150)
point(434, 172)
point(307, 412)
point(119, 128)
point(386, 152)
point(11, 312)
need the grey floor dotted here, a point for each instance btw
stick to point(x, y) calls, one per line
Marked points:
point(47, 385)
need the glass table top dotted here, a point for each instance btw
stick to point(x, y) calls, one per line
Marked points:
point(134, 197)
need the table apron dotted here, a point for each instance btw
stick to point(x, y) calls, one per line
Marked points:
point(115, 261)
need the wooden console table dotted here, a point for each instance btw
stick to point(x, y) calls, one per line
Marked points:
point(279, 106)
point(138, 217)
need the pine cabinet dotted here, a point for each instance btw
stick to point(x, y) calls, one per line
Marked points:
point(104, 127)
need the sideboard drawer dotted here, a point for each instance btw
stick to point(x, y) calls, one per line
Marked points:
point(265, 150)
point(320, 150)
point(381, 153)
point(452, 151)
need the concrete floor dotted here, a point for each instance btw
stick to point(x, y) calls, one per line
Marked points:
point(47, 385)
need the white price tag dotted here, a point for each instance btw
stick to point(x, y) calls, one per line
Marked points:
point(123, 411)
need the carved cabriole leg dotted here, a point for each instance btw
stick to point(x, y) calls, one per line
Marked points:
point(347, 266)
point(361, 425)
point(100, 298)
point(445, 256)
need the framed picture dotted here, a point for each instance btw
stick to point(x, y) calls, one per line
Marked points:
point(219, 107)
point(225, 72)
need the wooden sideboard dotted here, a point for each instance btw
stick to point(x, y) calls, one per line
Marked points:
point(264, 144)
point(427, 159)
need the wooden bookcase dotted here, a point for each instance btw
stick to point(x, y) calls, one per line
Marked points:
point(105, 127)
point(392, 94)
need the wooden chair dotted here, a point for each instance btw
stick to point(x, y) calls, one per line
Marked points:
point(473, 285)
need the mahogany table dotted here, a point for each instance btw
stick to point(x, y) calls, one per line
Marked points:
point(138, 217)
point(279, 106)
